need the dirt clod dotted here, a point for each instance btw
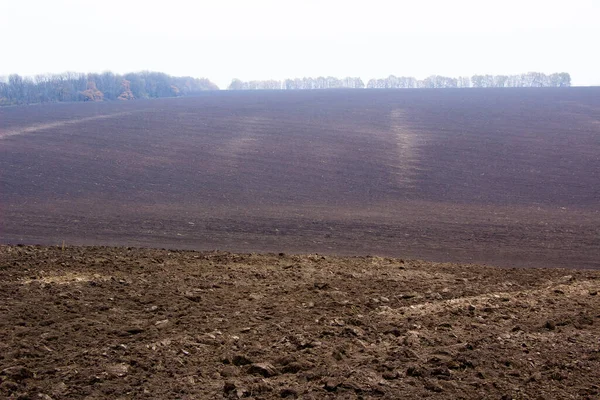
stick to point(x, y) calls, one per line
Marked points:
point(331, 385)
point(241, 360)
point(17, 373)
point(265, 369)
point(288, 393)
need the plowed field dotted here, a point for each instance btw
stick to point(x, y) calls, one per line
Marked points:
point(506, 177)
point(96, 323)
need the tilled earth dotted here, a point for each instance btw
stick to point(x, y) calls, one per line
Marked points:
point(99, 322)
point(492, 176)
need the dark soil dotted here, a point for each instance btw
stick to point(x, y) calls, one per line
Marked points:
point(506, 177)
point(98, 322)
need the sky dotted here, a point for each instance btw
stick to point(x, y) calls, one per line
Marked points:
point(278, 39)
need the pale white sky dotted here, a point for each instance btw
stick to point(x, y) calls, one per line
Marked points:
point(262, 39)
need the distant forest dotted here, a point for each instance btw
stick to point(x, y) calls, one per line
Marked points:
point(72, 86)
point(531, 79)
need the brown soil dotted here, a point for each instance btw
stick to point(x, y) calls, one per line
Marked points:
point(97, 322)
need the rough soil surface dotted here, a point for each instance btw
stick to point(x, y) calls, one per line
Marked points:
point(98, 322)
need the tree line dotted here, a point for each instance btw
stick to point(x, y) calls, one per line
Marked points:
point(299, 84)
point(71, 86)
point(530, 79)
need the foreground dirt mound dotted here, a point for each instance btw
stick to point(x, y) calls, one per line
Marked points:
point(130, 323)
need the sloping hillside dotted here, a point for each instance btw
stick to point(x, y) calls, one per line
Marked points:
point(505, 176)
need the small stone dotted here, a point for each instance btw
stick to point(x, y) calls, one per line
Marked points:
point(550, 325)
point(593, 292)
point(471, 307)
